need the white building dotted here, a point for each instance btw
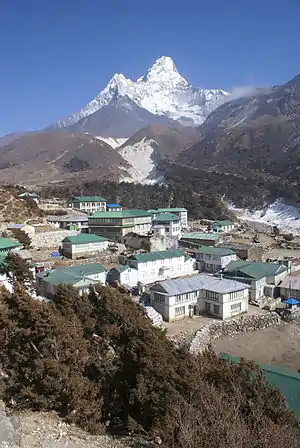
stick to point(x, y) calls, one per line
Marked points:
point(8, 245)
point(150, 267)
point(263, 277)
point(290, 287)
point(83, 244)
point(213, 259)
point(89, 204)
point(169, 221)
point(81, 277)
point(186, 297)
point(179, 211)
point(69, 222)
point(223, 226)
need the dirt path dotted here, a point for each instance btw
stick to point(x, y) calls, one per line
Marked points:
point(275, 345)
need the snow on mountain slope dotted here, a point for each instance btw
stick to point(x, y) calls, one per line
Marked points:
point(162, 91)
point(286, 217)
point(112, 141)
point(141, 156)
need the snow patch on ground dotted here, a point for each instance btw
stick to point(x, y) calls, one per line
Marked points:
point(140, 156)
point(286, 217)
point(113, 142)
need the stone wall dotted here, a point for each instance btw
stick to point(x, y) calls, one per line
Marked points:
point(51, 239)
point(217, 328)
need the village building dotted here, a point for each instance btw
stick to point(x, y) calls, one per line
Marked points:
point(213, 259)
point(115, 225)
point(245, 251)
point(179, 211)
point(262, 277)
point(147, 268)
point(52, 204)
point(169, 221)
point(223, 226)
point(69, 222)
point(31, 195)
point(196, 239)
point(290, 287)
point(89, 204)
point(81, 277)
point(8, 245)
point(26, 228)
point(83, 245)
point(186, 297)
point(113, 208)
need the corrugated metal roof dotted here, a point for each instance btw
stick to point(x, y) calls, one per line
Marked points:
point(68, 218)
point(172, 209)
point(70, 275)
point(120, 214)
point(254, 269)
point(223, 223)
point(210, 250)
point(6, 243)
point(200, 236)
point(88, 199)
point(113, 205)
point(84, 238)
point(166, 217)
point(196, 282)
point(153, 256)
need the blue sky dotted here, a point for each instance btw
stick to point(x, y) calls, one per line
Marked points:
point(56, 55)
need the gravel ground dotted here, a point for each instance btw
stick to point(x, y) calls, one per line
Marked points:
point(275, 345)
point(46, 430)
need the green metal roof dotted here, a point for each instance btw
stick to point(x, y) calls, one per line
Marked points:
point(121, 268)
point(222, 223)
point(70, 275)
point(84, 238)
point(6, 243)
point(253, 269)
point(209, 250)
point(200, 236)
point(120, 214)
point(171, 209)
point(88, 199)
point(166, 217)
point(287, 381)
point(153, 256)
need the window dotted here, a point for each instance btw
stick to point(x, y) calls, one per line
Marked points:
point(159, 298)
point(234, 295)
point(180, 311)
point(211, 295)
point(216, 309)
point(207, 307)
point(236, 307)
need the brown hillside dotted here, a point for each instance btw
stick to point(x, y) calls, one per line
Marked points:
point(50, 156)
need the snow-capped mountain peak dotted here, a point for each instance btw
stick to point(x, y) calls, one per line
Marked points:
point(162, 71)
point(162, 91)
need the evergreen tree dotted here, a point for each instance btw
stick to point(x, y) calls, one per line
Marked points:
point(17, 269)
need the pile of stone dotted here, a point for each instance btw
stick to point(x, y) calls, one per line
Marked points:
point(155, 317)
point(216, 328)
point(51, 239)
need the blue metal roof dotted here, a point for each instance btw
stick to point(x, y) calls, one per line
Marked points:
point(113, 205)
point(292, 301)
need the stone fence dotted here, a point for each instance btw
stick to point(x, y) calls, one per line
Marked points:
point(51, 239)
point(217, 328)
